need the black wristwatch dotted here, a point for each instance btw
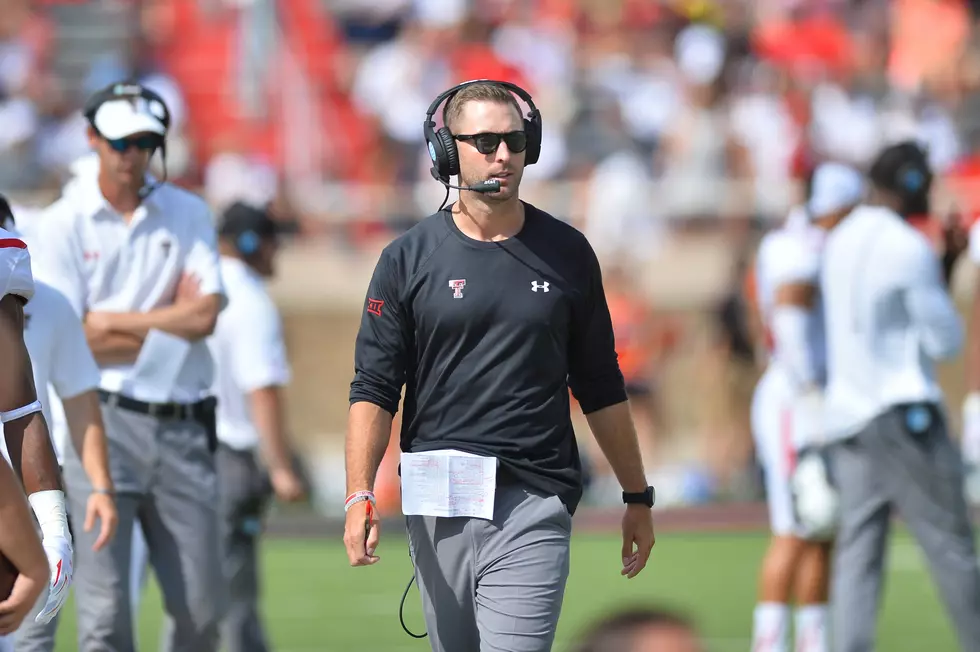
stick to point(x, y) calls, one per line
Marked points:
point(646, 497)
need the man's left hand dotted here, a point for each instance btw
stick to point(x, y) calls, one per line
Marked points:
point(59, 552)
point(638, 532)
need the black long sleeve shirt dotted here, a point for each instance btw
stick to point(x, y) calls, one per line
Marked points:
point(487, 338)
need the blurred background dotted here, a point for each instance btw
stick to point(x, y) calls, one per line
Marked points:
point(675, 132)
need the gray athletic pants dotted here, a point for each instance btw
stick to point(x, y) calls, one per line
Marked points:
point(245, 495)
point(164, 473)
point(900, 461)
point(494, 586)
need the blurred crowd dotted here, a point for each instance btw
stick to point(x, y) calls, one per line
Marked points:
point(663, 115)
point(664, 120)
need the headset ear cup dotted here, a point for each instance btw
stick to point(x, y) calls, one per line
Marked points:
point(248, 243)
point(449, 149)
point(533, 130)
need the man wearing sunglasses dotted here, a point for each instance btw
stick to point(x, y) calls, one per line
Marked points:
point(138, 259)
point(489, 311)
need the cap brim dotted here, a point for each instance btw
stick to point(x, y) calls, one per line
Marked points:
point(120, 119)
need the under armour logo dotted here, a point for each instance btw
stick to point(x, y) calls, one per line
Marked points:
point(457, 287)
point(535, 286)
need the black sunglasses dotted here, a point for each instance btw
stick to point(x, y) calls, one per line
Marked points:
point(488, 142)
point(144, 143)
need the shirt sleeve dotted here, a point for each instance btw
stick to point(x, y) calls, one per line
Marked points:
point(74, 369)
point(594, 375)
point(15, 261)
point(60, 262)
point(260, 358)
point(203, 260)
point(927, 300)
point(382, 346)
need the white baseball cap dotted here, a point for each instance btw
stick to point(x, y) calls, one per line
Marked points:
point(124, 109)
point(835, 186)
point(123, 118)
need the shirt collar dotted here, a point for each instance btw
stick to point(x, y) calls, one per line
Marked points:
point(93, 204)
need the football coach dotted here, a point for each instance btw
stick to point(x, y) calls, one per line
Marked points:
point(487, 312)
point(890, 320)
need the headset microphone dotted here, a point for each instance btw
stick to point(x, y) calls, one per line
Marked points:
point(484, 186)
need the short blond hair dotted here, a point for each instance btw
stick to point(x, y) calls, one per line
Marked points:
point(481, 92)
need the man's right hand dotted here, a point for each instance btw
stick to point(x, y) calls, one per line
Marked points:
point(362, 533)
point(286, 485)
point(60, 560)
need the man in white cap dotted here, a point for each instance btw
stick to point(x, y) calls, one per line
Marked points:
point(138, 259)
point(786, 407)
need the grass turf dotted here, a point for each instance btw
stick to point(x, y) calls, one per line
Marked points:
point(314, 602)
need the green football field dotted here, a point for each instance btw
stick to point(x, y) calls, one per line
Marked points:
point(315, 602)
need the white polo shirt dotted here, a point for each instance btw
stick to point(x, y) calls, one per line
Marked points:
point(102, 264)
point(63, 364)
point(249, 350)
point(889, 317)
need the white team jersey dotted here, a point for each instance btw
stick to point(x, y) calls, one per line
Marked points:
point(791, 254)
point(15, 266)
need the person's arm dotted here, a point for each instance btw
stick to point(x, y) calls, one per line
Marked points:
point(31, 451)
point(791, 324)
point(252, 329)
point(20, 544)
point(928, 303)
point(191, 319)
point(194, 316)
point(18, 538)
point(269, 416)
point(112, 347)
point(381, 354)
point(380, 362)
point(84, 418)
point(368, 434)
point(597, 383)
point(75, 376)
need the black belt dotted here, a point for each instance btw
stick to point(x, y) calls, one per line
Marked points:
point(186, 411)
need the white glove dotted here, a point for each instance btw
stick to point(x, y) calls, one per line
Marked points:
point(815, 498)
point(49, 508)
point(970, 442)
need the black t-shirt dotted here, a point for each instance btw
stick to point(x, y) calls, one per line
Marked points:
point(487, 338)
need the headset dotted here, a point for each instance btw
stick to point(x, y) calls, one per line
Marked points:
point(442, 145)
point(132, 91)
point(247, 243)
